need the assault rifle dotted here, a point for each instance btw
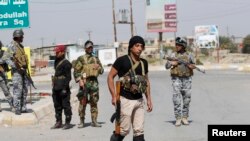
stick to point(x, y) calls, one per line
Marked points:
point(26, 71)
point(185, 63)
point(116, 115)
point(27, 75)
point(82, 96)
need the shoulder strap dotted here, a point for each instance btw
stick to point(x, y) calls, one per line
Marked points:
point(142, 67)
point(136, 65)
point(60, 63)
point(133, 66)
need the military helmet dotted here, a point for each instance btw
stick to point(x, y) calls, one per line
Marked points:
point(18, 33)
point(181, 41)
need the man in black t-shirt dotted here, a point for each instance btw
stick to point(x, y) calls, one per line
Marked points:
point(133, 75)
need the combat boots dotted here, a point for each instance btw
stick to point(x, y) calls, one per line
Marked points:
point(13, 109)
point(17, 111)
point(57, 125)
point(185, 121)
point(66, 126)
point(67, 123)
point(94, 121)
point(81, 125)
point(178, 122)
point(139, 138)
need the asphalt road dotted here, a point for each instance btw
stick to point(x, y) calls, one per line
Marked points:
point(218, 97)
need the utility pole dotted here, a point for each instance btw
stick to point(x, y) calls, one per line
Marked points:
point(160, 46)
point(131, 19)
point(114, 21)
point(42, 39)
point(89, 34)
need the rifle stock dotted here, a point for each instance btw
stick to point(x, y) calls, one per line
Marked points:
point(118, 108)
point(185, 63)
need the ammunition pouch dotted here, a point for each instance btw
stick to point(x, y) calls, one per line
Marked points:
point(136, 84)
point(20, 60)
point(59, 82)
point(90, 70)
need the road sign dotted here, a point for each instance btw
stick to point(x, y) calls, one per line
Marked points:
point(14, 14)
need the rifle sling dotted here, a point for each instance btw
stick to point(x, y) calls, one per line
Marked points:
point(60, 63)
point(134, 66)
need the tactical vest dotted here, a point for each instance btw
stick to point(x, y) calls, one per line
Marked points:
point(88, 66)
point(20, 57)
point(181, 70)
point(133, 82)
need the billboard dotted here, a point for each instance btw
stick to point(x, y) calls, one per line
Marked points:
point(161, 15)
point(206, 36)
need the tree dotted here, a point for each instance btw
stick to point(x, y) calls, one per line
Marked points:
point(246, 44)
point(227, 43)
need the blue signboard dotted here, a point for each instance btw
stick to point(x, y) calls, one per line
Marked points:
point(14, 14)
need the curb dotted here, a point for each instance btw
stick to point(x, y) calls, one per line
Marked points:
point(40, 110)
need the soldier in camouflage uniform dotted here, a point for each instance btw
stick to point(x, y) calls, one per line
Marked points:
point(15, 57)
point(86, 71)
point(3, 81)
point(181, 76)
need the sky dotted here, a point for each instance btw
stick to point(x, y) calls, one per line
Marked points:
point(70, 21)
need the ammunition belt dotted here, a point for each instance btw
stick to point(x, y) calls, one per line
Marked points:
point(59, 77)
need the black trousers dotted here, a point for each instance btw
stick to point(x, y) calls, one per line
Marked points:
point(61, 102)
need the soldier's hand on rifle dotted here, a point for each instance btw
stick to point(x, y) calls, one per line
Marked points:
point(22, 71)
point(150, 105)
point(81, 83)
point(24, 66)
point(191, 66)
point(113, 101)
point(174, 63)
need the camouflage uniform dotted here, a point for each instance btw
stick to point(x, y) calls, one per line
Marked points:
point(181, 82)
point(91, 86)
point(3, 81)
point(15, 57)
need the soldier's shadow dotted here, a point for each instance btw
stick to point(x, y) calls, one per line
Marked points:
point(88, 124)
point(173, 121)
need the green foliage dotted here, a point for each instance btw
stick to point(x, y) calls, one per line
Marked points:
point(246, 44)
point(227, 43)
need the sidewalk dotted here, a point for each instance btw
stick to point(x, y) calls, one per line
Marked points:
point(41, 104)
